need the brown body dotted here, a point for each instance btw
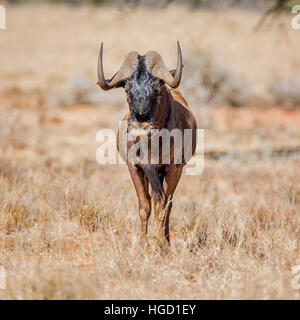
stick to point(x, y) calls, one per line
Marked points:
point(172, 112)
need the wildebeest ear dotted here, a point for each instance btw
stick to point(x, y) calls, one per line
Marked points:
point(174, 71)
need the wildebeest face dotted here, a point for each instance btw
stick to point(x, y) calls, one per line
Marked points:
point(143, 91)
point(142, 95)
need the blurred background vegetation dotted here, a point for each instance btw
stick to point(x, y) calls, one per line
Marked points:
point(271, 5)
point(216, 83)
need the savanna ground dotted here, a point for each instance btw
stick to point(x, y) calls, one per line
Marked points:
point(69, 227)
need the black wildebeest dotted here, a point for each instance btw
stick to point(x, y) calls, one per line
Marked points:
point(153, 104)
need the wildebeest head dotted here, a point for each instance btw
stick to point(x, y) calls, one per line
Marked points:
point(142, 78)
point(142, 90)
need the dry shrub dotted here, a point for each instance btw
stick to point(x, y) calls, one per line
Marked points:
point(16, 217)
point(211, 81)
point(285, 90)
point(78, 91)
point(195, 233)
point(92, 217)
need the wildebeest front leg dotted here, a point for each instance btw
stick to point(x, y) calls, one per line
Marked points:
point(163, 206)
point(141, 186)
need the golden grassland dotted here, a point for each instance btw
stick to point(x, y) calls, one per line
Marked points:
point(69, 228)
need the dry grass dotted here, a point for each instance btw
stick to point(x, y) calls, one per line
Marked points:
point(70, 228)
point(235, 233)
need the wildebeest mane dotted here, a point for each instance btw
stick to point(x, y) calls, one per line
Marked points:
point(142, 75)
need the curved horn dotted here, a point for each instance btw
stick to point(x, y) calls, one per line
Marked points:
point(129, 65)
point(178, 73)
point(159, 70)
point(101, 79)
